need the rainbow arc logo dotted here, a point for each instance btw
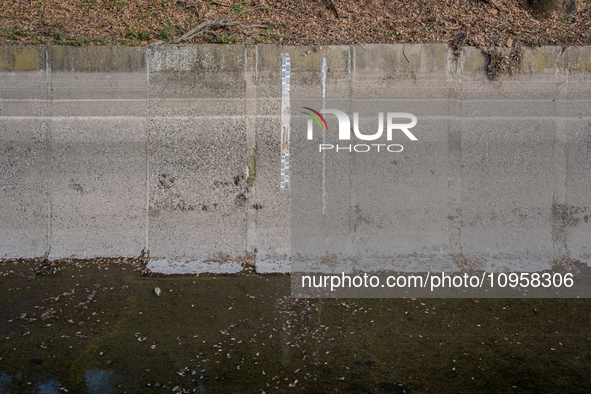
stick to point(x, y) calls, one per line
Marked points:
point(316, 117)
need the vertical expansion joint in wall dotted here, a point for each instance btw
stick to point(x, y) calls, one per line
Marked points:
point(353, 245)
point(250, 76)
point(354, 64)
point(559, 232)
point(285, 120)
point(323, 80)
point(49, 149)
point(454, 153)
point(146, 251)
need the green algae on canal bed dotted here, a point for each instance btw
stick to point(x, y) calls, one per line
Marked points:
point(244, 334)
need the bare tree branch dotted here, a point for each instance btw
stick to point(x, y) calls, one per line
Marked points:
point(206, 24)
point(336, 10)
point(218, 3)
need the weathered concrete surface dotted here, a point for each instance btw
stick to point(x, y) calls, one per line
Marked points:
point(24, 169)
point(97, 186)
point(174, 151)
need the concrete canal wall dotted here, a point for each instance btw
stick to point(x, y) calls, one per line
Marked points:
point(175, 151)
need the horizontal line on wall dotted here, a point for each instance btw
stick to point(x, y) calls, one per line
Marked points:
point(143, 118)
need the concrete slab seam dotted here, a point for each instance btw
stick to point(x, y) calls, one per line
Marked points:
point(454, 144)
point(251, 116)
point(560, 160)
point(146, 251)
point(49, 162)
point(323, 79)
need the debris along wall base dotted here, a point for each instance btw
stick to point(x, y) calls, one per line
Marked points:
point(174, 151)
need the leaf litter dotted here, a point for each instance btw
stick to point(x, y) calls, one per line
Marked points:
point(478, 23)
